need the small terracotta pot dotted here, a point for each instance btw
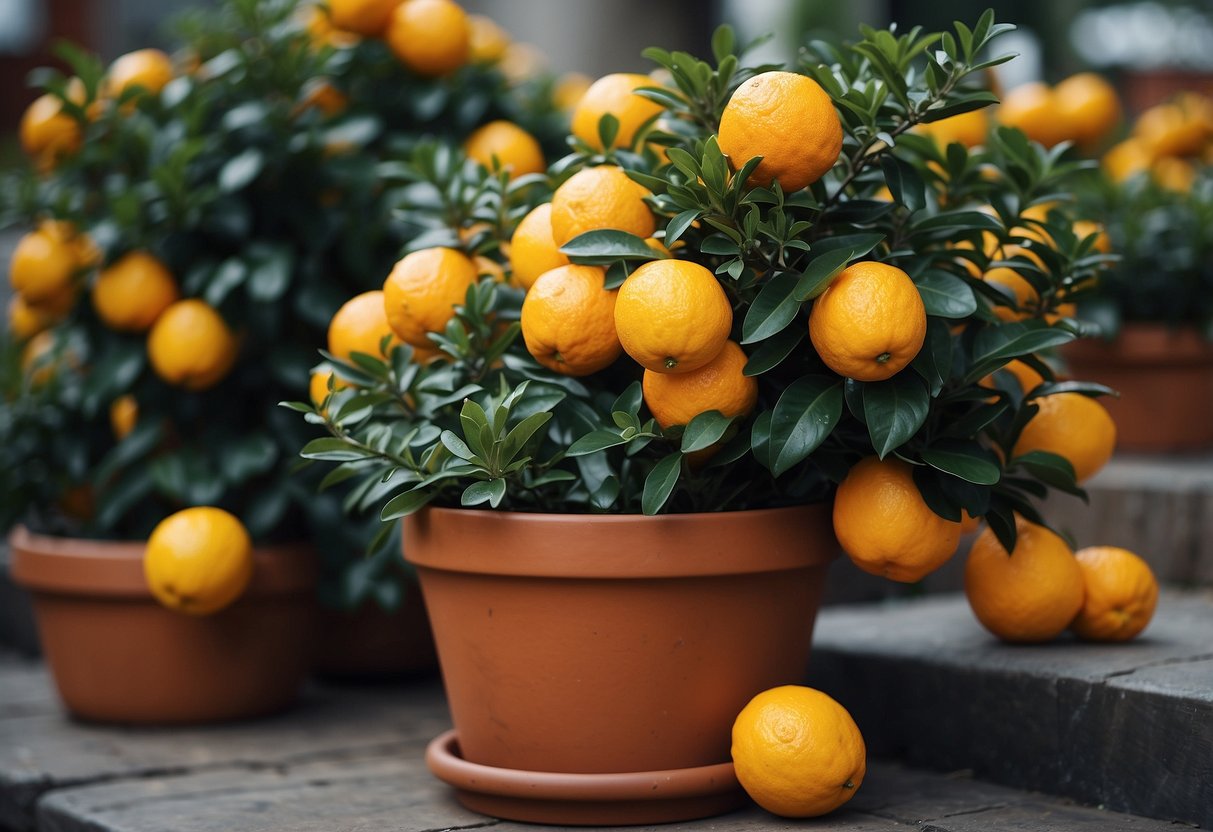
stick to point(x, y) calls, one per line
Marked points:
point(117, 655)
point(614, 646)
point(371, 644)
point(1165, 381)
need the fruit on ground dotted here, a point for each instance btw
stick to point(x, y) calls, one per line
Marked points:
point(47, 133)
point(969, 129)
point(124, 414)
point(430, 37)
point(421, 293)
point(191, 346)
point(1033, 109)
point(672, 316)
point(1029, 595)
point(884, 525)
point(133, 292)
point(503, 144)
point(149, 69)
point(797, 752)
point(44, 265)
point(1089, 105)
point(788, 120)
point(869, 323)
point(568, 321)
point(363, 17)
point(360, 325)
point(1073, 426)
point(533, 249)
point(487, 41)
point(198, 561)
point(1121, 594)
point(596, 198)
point(614, 94)
point(721, 384)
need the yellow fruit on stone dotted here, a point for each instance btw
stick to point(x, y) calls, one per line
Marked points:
point(797, 752)
point(1121, 594)
point(506, 146)
point(430, 37)
point(133, 292)
point(149, 69)
point(597, 198)
point(360, 325)
point(191, 346)
point(568, 321)
point(43, 266)
point(672, 316)
point(788, 120)
point(533, 249)
point(364, 17)
point(421, 293)
point(48, 133)
point(1073, 426)
point(487, 41)
point(869, 323)
point(198, 561)
point(884, 525)
point(1088, 105)
point(124, 414)
point(614, 94)
point(721, 384)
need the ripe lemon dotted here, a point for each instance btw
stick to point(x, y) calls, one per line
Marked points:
point(1029, 595)
point(506, 146)
point(124, 414)
point(569, 90)
point(614, 94)
point(533, 249)
point(421, 293)
point(797, 752)
point(884, 525)
point(1121, 594)
point(602, 197)
point(672, 316)
point(969, 129)
point(1073, 426)
point(133, 292)
point(360, 325)
point(364, 17)
point(47, 133)
point(487, 41)
point(1033, 109)
point(568, 321)
point(1089, 106)
point(721, 384)
point(869, 323)
point(43, 266)
point(430, 37)
point(150, 69)
point(198, 561)
point(191, 346)
point(788, 120)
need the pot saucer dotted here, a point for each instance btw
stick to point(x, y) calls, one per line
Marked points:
point(629, 798)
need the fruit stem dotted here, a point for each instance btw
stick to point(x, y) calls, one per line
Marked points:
point(883, 357)
point(671, 363)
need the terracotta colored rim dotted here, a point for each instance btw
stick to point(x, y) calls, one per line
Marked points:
point(114, 568)
point(617, 545)
point(1145, 344)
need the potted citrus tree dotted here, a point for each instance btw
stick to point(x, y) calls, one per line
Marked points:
point(759, 316)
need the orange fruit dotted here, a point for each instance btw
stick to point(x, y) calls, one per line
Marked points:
point(430, 37)
point(614, 94)
point(25, 321)
point(44, 266)
point(568, 321)
point(1025, 296)
point(124, 414)
point(869, 323)
point(569, 90)
point(488, 267)
point(797, 752)
point(149, 69)
point(521, 62)
point(884, 525)
point(48, 133)
point(1088, 104)
point(360, 325)
point(320, 27)
point(1127, 159)
point(323, 96)
point(1174, 174)
point(1085, 228)
point(788, 120)
point(1121, 594)
point(721, 384)
point(1029, 595)
point(672, 316)
point(198, 561)
point(1073, 426)
point(487, 41)
point(969, 129)
point(602, 197)
point(1171, 129)
point(421, 293)
point(968, 523)
point(191, 346)
point(533, 249)
point(318, 386)
point(131, 294)
point(38, 360)
point(506, 146)
point(1034, 110)
point(364, 17)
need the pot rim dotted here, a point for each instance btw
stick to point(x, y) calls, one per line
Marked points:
point(114, 568)
point(1144, 344)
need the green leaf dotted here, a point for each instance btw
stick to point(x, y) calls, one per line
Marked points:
point(1051, 469)
point(774, 308)
point(458, 447)
point(405, 504)
point(659, 484)
point(606, 494)
point(904, 182)
point(894, 410)
point(817, 277)
point(946, 295)
point(241, 170)
point(704, 430)
point(958, 221)
point(331, 449)
point(595, 441)
point(995, 346)
point(934, 360)
point(803, 417)
point(487, 491)
point(520, 434)
point(967, 460)
point(605, 246)
point(679, 224)
point(772, 351)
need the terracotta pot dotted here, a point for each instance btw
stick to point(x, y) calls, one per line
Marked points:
point(116, 655)
point(619, 648)
point(371, 644)
point(1165, 381)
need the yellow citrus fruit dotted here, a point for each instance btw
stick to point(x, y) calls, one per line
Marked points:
point(191, 346)
point(969, 129)
point(323, 96)
point(884, 525)
point(569, 90)
point(198, 561)
point(360, 325)
point(596, 198)
point(797, 752)
point(48, 133)
point(521, 62)
point(1127, 159)
point(533, 249)
point(672, 316)
point(488, 267)
point(38, 361)
point(869, 323)
point(568, 321)
point(968, 523)
point(421, 293)
point(133, 292)
point(43, 266)
point(364, 17)
point(788, 120)
point(124, 414)
point(430, 37)
point(1085, 228)
point(1029, 595)
point(1171, 129)
point(614, 94)
point(25, 321)
point(1025, 296)
point(1088, 104)
point(320, 27)
point(487, 41)
point(1121, 594)
point(1177, 175)
point(149, 69)
point(1073, 426)
point(1033, 109)
point(721, 384)
point(505, 145)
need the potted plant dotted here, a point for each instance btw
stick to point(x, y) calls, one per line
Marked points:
point(616, 485)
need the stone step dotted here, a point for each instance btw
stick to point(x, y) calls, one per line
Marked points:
point(1126, 726)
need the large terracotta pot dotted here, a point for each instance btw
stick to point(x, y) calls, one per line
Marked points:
point(116, 655)
point(371, 644)
point(594, 664)
point(1165, 381)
